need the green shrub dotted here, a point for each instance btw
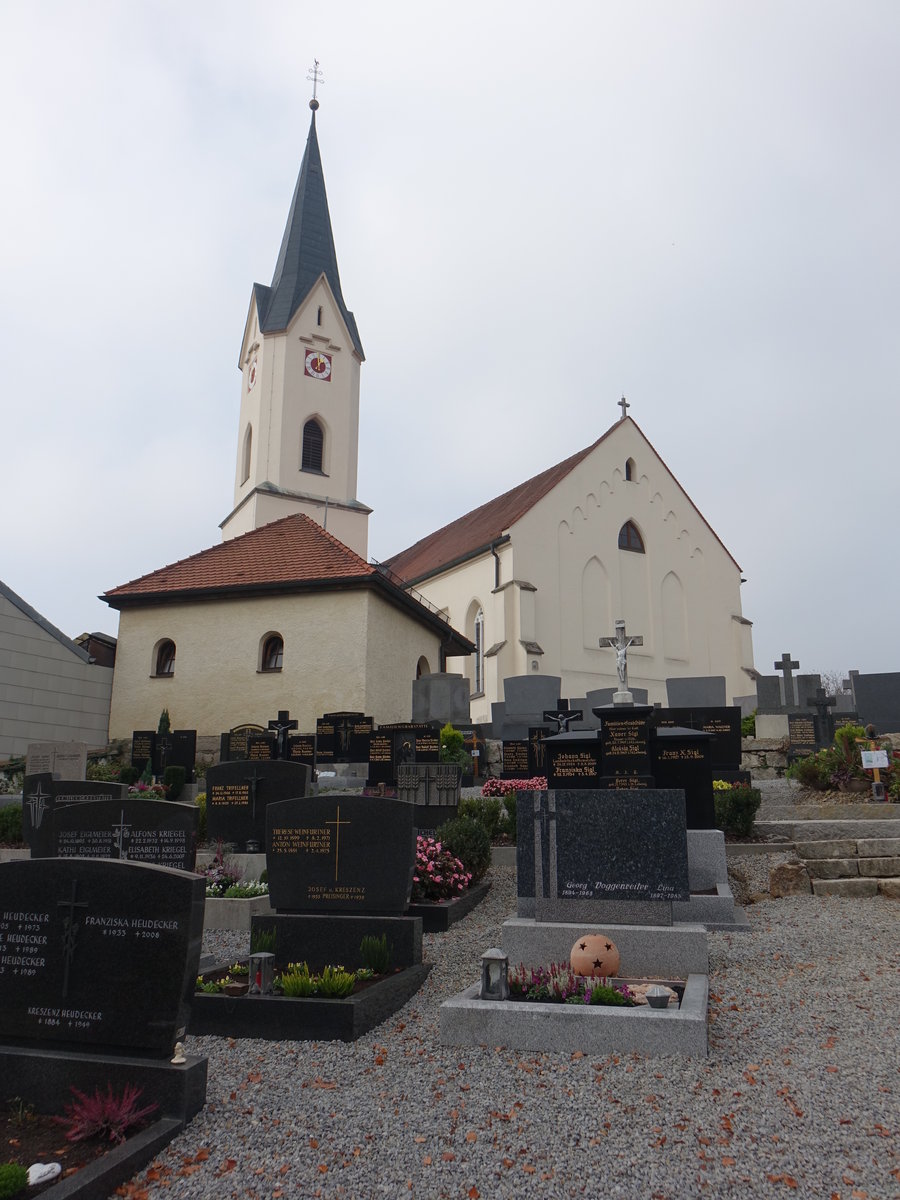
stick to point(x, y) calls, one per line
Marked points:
point(13, 1179)
point(262, 941)
point(129, 775)
point(336, 983)
point(813, 771)
point(104, 772)
point(375, 953)
point(486, 810)
point(297, 981)
point(11, 824)
point(736, 809)
point(468, 841)
point(748, 725)
point(165, 724)
point(173, 778)
point(453, 748)
point(200, 801)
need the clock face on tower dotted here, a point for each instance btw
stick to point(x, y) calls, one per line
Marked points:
point(318, 365)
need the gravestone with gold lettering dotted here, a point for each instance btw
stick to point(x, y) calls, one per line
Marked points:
point(625, 746)
point(681, 759)
point(238, 793)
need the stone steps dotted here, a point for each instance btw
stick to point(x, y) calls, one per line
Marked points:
point(852, 865)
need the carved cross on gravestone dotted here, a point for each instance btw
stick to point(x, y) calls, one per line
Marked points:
point(283, 724)
point(38, 801)
point(786, 665)
point(824, 720)
point(620, 643)
point(563, 717)
point(122, 830)
point(254, 781)
point(70, 932)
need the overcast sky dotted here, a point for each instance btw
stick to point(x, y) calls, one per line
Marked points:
point(536, 209)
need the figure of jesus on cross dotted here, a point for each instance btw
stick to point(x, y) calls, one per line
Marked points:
point(621, 643)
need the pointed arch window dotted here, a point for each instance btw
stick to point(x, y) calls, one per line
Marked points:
point(245, 457)
point(313, 446)
point(165, 658)
point(630, 538)
point(479, 651)
point(630, 469)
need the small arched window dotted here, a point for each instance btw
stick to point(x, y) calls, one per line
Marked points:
point(313, 444)
point(273, 653)
point(422, 667)
point(479, 651)
point(245, 457)
point(630, 538)
point(630, 468)
point(319, 316)
point(165, 658)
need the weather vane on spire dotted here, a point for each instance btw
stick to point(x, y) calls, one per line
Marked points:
point(315, 78)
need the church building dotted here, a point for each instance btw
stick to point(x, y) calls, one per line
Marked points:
point(536, 577)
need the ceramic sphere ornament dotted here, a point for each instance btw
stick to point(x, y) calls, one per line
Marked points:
point(595, 955)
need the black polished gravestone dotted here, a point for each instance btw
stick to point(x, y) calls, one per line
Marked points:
point(516, 762)
point(260, 748)
point(97, 954)
point(573, 759)
point(538, 762)
point(625, 740)
point(42, 795)
point(143, 744)
point(238, 793)
point(723, 724)
point(148, 831)
point(340, 854)
point(301, 748)
point(802, 739)
point(381, 759)
point(343, 737)
point(601, 856)
point(233, 743)
point(433, 790)
point(681, 759)
point(175, 749)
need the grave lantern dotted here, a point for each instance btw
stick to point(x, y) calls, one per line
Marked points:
point(494, 975)
point(261, 966)
point(658, 997)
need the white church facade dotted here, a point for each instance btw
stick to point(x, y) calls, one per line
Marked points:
point(536, 577)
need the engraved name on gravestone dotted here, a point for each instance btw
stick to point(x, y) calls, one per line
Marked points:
point(143, 745)
point(802, 733)
point(573, 759)
point(610, 854)
point(681, 759)
point(301, 748)
point(149, 831)
point(98, 954)
point(42, 795)
point(381, 759)
point(66, 760)
point(723, 724)
point(237, 794)
point(340, 854)
point(516, 760)
point(625, 740)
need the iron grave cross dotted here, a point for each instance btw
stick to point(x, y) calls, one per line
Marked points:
point(620, 643)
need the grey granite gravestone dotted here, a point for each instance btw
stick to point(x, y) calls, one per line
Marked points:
point(807, 686)
point(877, 699)
point(65, 760)
point(527, 698)
point(442, 697)
point(238, 793)
point(338, 854)
point(702, 691)
point(42, 795)
point(769, 694)
point(98, 954)
point(600, 857)
point(148, 831)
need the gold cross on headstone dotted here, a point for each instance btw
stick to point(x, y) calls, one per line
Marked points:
point(337, 823)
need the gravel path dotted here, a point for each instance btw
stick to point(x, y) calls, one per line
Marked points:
point(800, 1094)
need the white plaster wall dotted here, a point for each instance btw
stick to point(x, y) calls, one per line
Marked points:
point(47, 692)
point(341, 651)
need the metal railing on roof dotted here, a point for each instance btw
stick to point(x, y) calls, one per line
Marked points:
point(395, 579)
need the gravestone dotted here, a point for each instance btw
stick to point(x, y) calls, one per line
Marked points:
point(722, 724)
point(281, 728)
point(698, 691)
point(802, 737)
point(681, 759)
point(573, 759)
point(340, 854)
point(538, 762)
point(625, 740)
point(65, 760)
point(769, 695)
point(302, 749)
point(600, 857)
point(786, 665)
point(147, 831)
point(441, 697)
point(527, 698)
point(42, 795)
point(381, 759)
point(824, 720)
point(238, 793)
point(260, 747)
point(98, 954)
point(877, 698)
point(343, 737)
point(175, 749)
point(413, 741)
point(807, 686)
point(433, 790)
point(143, 746)
point(516, 760)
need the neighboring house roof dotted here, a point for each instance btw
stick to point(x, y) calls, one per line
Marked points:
point(35, 616)
point(476, 532)
point(291, 555)
point(307, 251)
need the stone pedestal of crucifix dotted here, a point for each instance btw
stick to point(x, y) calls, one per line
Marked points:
point(621, 643)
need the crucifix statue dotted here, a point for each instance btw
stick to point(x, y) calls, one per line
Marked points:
point(621, 643)
point(562, 717)
point(283, 724)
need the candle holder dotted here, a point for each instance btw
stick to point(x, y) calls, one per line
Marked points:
point(494, 975)
point(658, 997)
point(261, 970)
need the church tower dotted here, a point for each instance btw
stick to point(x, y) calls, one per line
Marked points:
point(300, 359)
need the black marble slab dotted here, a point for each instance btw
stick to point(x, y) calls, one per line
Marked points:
point(149, 831)
point(238, 793)
point(42, 795)
point(681, 759)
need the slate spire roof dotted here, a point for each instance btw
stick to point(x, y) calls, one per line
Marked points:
point(307, 251)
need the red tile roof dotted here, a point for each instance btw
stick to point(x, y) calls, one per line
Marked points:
point(294, 550)
point(474, 533)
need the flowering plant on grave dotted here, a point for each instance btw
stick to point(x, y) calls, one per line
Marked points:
point(148, 791)
point(558, 984)
point(437, 874)
point(221, 875)
point(502, 787)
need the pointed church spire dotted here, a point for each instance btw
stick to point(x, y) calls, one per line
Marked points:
point(307, 248)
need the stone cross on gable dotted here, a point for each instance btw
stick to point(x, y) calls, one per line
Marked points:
point(624, 405)
point(283, 724)
point(620, 643)
point(786, 665)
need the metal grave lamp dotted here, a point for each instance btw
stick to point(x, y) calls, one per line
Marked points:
point(494, 975)
point(261, 970)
